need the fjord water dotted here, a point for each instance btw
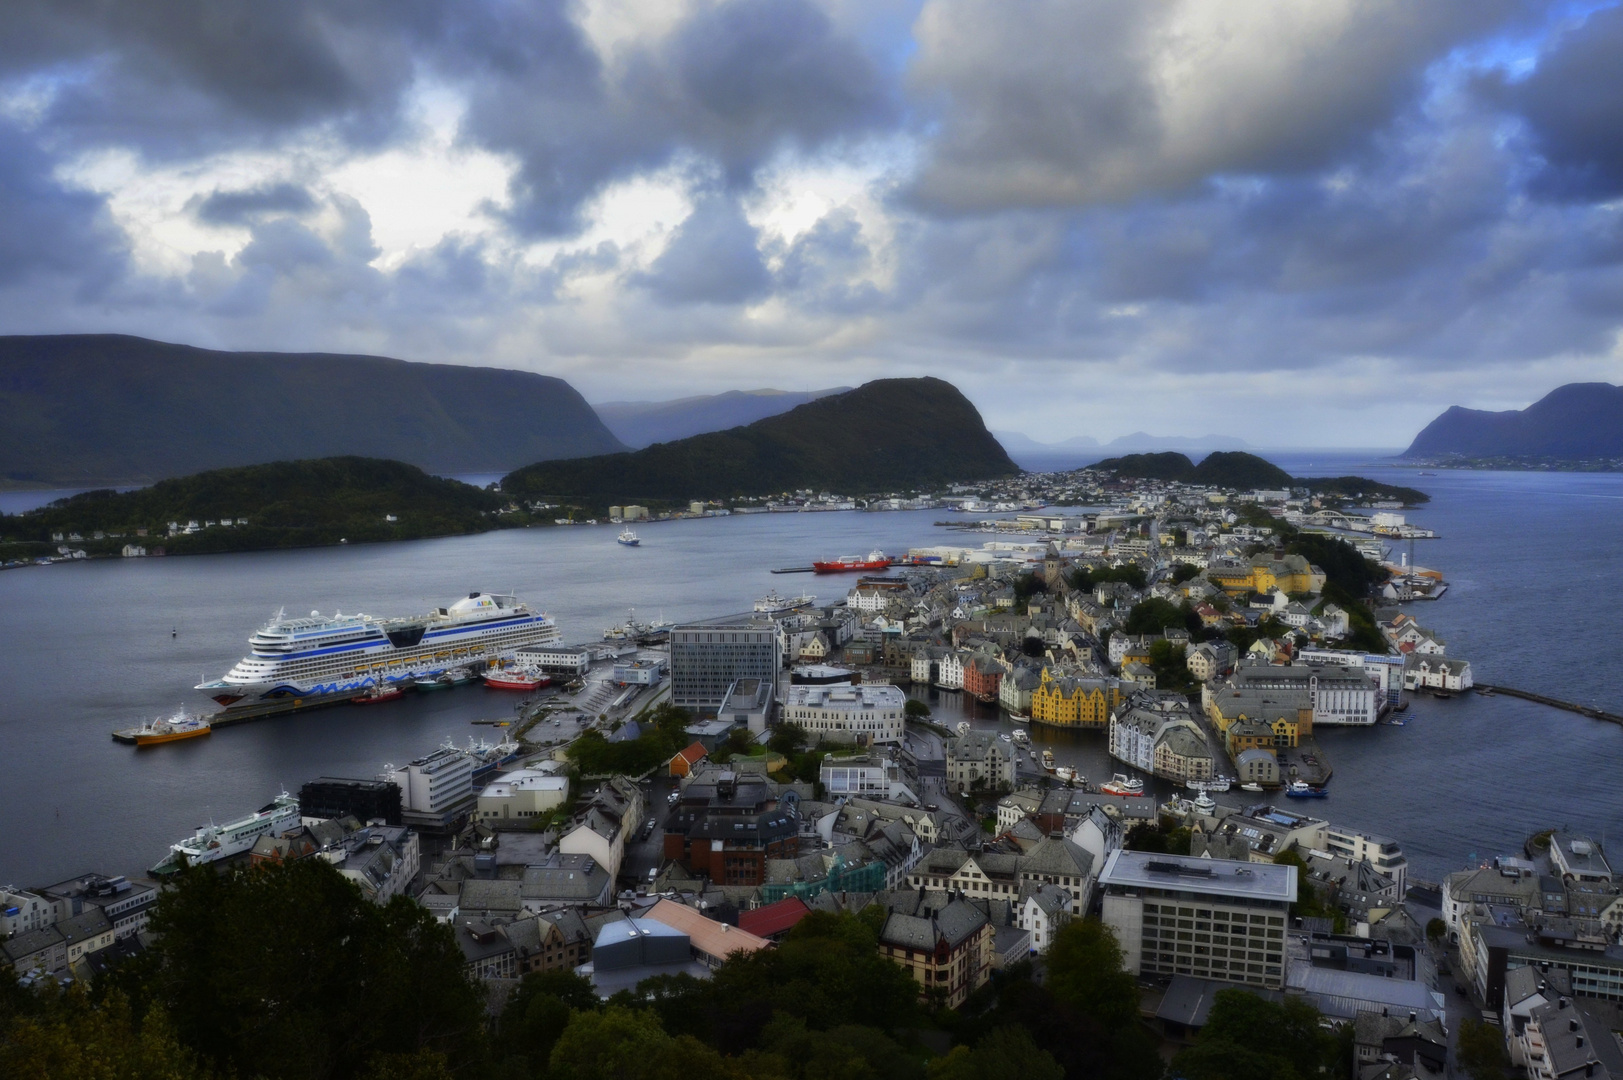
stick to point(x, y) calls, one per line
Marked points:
point(86, 648)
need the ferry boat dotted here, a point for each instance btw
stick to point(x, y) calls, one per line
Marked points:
point(1122, 785)
point(628, 538)
point(773, 604)
point(845, 564)
point(343, 655)
point(1048, 761)
point(177, 727)
point(445, 680)
point(212, 842)
point(381, 692)
point(1298, 789)
point(515, 679)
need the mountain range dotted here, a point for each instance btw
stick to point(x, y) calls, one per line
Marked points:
point(643, 423)
point(887, 435)
point(1016, 442)
point(1573, 422)
point(82, 410)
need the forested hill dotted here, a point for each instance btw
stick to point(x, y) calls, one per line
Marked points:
point(1246, 472)
point(1225, 468)
point(92, 409)
point(285, 504)
point(1574, 422)
point(887, 435)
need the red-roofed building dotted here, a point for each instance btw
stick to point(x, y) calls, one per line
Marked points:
point(774, 920)
point(682, 764)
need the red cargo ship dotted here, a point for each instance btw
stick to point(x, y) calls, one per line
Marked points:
point(845, 564)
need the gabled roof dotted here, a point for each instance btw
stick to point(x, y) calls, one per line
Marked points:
point(693, 753)
point(773, 918)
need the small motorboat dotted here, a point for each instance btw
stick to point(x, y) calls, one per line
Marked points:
point(1298, 789)
point(1251, 787)
point(1048, 760)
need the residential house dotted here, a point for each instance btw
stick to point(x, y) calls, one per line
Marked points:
point(1043, 914)
point(948, 952)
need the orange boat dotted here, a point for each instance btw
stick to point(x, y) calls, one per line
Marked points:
point(172, 730)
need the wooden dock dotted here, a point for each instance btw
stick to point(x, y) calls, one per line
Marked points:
point(1590, 711)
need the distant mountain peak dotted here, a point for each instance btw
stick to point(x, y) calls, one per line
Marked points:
point(1573, 422)
point(643, 423)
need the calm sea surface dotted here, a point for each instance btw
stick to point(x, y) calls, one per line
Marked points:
point(87, 648)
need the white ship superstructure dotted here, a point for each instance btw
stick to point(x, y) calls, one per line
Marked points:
point(347, 654)
point(222, 841)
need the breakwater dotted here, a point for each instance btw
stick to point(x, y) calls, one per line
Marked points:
point(1555, 703)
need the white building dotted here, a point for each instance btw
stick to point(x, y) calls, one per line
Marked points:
point(1382, 852)
point(1437, 673)
point(521, 795)
point(437, 784)
point(840, 712)
point(1239, 909)
point(1043, 914)
point(866, 775)
point(569, 660)
point(646, 672)
point(21, 911)
point(950, 670)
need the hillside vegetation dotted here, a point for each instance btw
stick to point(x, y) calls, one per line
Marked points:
point(643, 423)
point(85, 410)
point(286, 504)
point(888, 435)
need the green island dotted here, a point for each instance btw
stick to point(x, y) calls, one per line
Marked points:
point(1242, 471)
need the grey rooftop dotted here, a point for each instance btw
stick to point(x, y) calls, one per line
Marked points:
point(1212, 877)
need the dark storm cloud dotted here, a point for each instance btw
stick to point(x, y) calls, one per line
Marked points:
point(1071, 104)
point(1573, 106)
point(714, 258)
point(183, 77)
point(49, 229)
point(221, 207)
point(734, 84)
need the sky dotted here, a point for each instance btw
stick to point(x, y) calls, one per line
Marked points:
point(1299, 222)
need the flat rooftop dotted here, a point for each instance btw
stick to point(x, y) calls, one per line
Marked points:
point(844, 695)
point(1211, 877)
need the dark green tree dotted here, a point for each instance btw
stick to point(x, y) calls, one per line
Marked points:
point(915, 709)
point(285, 970)
point(1247, 1037)
point(1481, 1051)
point(1008, 1053)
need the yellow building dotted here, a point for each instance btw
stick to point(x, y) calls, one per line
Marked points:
point(1288, 573)
point(1288, 722)
point(1064, 701)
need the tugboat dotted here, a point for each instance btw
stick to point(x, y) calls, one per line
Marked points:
point(1122, 785)
point(380, 692)
point(1299, 789)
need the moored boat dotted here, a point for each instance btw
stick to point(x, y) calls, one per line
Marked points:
point(1120, 784)
point(962, 728)
point(773, 604)
point(1251, 787)
point(445, 680)
point(173, 729)
point(212, 842)
point(1048, 760)
point(1065, 774)
point(515, 679)
point(845, 564)
point(1298, 789)
point(1021, 738)
point(1204, 803)
point(380, 692)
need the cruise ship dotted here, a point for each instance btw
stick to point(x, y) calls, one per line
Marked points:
point(345, 655)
